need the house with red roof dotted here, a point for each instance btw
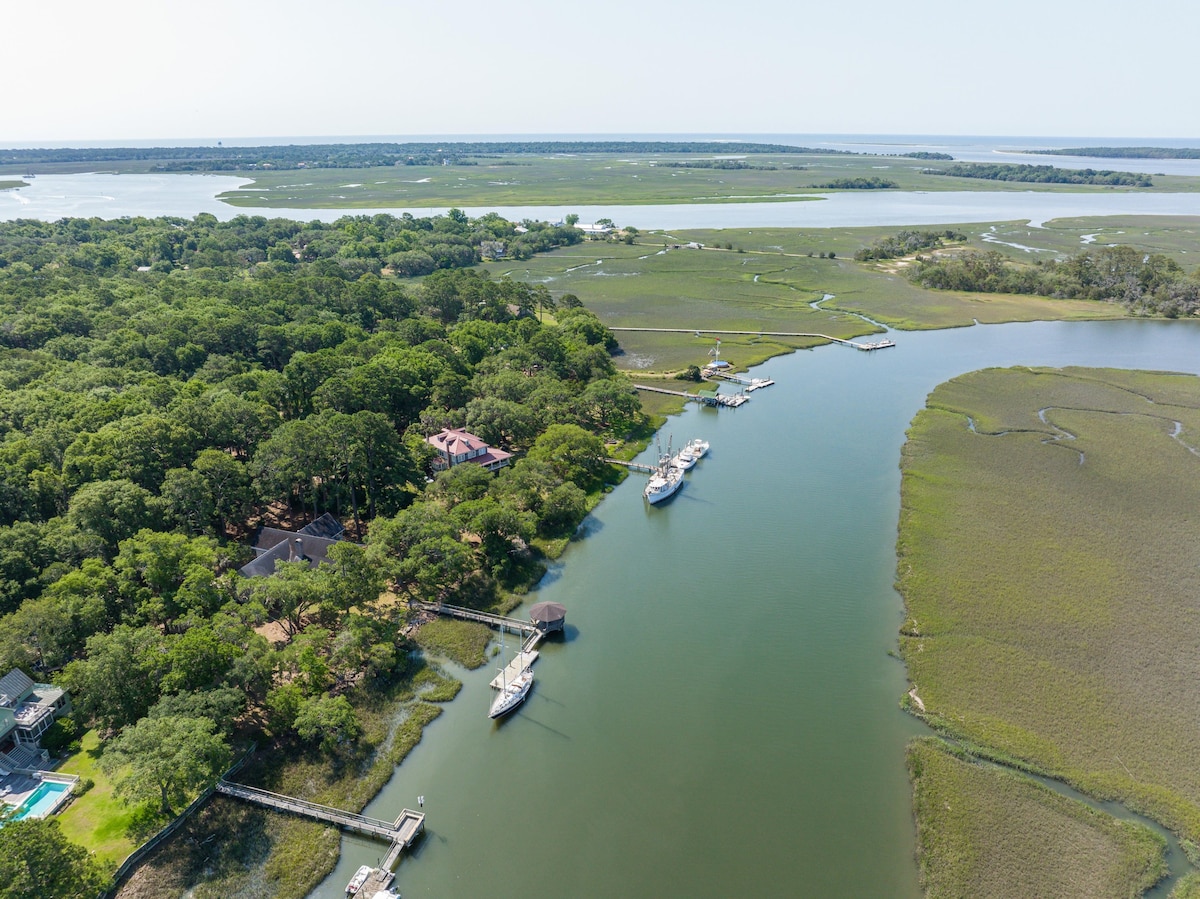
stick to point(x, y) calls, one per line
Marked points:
point(455, 446)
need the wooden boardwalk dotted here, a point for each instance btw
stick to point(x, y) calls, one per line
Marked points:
point(721, 399)
point(400, 833)
point(496, 621)
point(403, 830)
point(632, 466)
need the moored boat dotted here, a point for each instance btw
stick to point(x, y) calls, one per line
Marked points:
point(697, 448)
point(663, 484)
point(359, 878)
point(511, 694)
point(666, 479)
point(683, 460)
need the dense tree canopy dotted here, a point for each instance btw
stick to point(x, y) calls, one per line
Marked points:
point(37, 860)
point(170, 385)
point(1142, 282)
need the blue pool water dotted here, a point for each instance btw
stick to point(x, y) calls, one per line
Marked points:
point(44, 798)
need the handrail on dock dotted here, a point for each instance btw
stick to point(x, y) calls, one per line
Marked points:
point(388, 830)
point(400, 833)
point(632, 466)
point(487, 618)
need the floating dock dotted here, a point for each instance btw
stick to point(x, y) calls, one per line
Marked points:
point(531, 633)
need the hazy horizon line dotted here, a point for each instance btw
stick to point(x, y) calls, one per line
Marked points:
point(568, 136)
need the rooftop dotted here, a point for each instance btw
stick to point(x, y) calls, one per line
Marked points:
point(309, 544)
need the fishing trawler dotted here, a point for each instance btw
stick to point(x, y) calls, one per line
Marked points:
point(666, 480)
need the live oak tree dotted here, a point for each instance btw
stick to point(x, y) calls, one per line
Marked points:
point(37, 860)
point(167, 759)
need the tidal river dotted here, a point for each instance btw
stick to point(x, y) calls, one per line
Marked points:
point(723, 719)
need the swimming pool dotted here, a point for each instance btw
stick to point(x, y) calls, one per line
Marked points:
point(43, 801)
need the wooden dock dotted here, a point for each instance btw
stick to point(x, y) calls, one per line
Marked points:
point(403, 830)
point(400, 833)
point(523, 659)
point(877, 345)
point(632, 466)
point(714, 399)
point(749, 383)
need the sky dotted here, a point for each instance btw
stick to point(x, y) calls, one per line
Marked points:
point(76, 71)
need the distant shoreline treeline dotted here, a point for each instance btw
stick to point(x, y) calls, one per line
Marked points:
point(1043, 174)
point(1125, 152)
point(293, 156)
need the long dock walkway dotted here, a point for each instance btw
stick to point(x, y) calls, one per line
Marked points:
point(720, 399)
point(877, 345)
point(400, 833)
point(632, 466)
point(403, 830)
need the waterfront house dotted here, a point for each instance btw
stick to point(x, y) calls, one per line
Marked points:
point(595, 232)
point(455, 446)
point(27, 709)
point(309, 544)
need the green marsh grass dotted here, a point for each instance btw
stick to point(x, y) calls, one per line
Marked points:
point(1051, 602)
point(465, 642)
point(985, 831)
point(598, 179)
point(769, 287)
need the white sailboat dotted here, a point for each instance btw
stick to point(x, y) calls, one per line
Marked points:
point(511, 693)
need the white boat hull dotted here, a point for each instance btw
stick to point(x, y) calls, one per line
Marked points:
point(512, 694)
point(359, 878)
point(662, 487)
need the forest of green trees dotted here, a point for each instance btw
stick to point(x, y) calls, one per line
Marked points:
point(325, 156)
point(1042, 174)
point(906, 242)
point(1125, 152)
point(1144, 283)
point(170, 384)
point(872, 183)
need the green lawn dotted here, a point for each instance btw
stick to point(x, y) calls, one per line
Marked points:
point(1049, 576)
point(97, 820)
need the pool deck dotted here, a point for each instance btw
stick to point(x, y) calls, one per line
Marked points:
point(15, 789)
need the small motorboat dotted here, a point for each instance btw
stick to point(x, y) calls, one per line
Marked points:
point(359, 878)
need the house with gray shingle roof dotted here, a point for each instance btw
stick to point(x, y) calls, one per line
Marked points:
point(309, 544)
